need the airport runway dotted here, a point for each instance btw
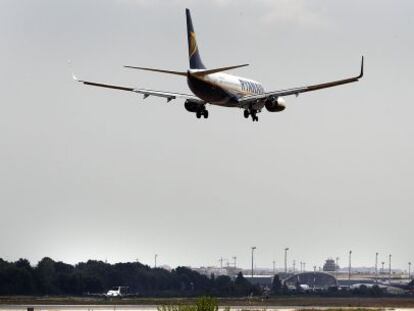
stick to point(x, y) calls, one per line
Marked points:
point(154, 308)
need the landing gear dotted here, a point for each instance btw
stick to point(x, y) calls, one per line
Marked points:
point(251, 112)
point(202, 113)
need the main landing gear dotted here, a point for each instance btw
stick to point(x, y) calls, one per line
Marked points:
point(252, 113)
point(202, 112)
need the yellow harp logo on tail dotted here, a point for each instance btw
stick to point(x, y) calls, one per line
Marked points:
point(193, 44)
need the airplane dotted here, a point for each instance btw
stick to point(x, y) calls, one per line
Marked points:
point(214, 87)
point(117, 291)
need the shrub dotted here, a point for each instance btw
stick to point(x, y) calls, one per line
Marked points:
point(202, 304)
point(206, 304)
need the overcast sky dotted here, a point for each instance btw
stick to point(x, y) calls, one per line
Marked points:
point(95, 173)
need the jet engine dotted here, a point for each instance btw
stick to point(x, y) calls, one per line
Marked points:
point(193, 106)
point(275, 104)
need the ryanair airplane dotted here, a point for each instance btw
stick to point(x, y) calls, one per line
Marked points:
point(212, 86)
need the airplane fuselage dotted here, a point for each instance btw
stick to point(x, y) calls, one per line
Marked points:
point(222, 89)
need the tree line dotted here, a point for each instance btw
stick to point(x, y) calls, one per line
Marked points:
point(50, 277)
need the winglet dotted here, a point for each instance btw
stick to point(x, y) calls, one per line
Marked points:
point(362, 68)
point(74, 77)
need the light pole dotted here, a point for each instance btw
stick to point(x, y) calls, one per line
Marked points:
point(389, 267)
point(221, 262)
point(301, 267)
point(409, 270)
point(376, 267)
point(253, 248)
point(349, 267)
point(286, 250)
point(304, 266)
point(155, 260)
point(314, 269)
point(274, 266)
point(235, 261)
point(382, 267)
point(336, 266)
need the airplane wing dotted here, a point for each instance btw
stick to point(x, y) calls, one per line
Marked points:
point(168, 95)
point(299, 90)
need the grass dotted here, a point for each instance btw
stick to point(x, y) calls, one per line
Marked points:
point(167, 304)
point(201, 304)
point(343, 309)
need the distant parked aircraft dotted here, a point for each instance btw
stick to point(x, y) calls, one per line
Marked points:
point(118, 291)
point(212, 86)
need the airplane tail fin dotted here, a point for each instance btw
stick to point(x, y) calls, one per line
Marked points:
point(193, 52)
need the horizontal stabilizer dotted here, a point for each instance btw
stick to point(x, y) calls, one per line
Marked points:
point(215, 70)
point(180, 73)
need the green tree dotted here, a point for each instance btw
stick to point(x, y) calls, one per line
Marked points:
point(242, 286)
point(276, 285)
point(45, 275)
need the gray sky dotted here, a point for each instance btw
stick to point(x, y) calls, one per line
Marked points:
point(94, 173)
